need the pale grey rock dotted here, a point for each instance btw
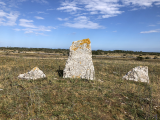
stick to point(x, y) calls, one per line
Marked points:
point(139, 73)
point(79, 63)
point(34, 74)
point(100, 80)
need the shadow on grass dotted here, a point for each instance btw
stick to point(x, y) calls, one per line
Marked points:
point(60, 72)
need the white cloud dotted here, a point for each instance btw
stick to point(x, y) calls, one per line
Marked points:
point(107, 16)
point(151, 25)
point(16, 3)
point(26, 23)
point(60, 19)
point(31, 28)
point(94, 12)
point(105, 8)
point(28, 31)
point(2, 13)
point(11, 18)
point(69, 6)
point(40, 1)
point(158, 15)
point(49, 9)
point(3, 6)
point(151, 31)
point(83, 22)
point(158, 3)
point(2, 3)
point(41, 34)
point(133, 9)
point(81, 14)
point(40, 28)
point(2, 21)
point(108, 8)
point(39, 12)
point(17, 29)
point(37, 17)
point(114, 31)
point(146, 3)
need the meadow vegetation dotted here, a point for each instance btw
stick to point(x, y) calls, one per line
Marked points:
point(55, 98)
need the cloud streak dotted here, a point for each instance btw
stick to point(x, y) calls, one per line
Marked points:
point(83, 22)
point(31, 28)
point(105, 8)
point(2, 3)
point(60, 19)
point(146, 3)
point(40, 1)
point(26, 23)
point(108, 8)
point(151, 31)
point(8, 19)
point(151, 25)
point(37, 17)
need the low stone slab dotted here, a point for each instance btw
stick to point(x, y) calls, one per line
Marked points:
point(139, 73)
point(79, 63)
point(34, 74)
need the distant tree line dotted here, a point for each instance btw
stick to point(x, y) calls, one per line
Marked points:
point(46, 50)
point(101, 52)
point(66, 51)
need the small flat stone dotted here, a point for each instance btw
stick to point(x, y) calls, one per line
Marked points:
point(34, 74)
point(139, 73)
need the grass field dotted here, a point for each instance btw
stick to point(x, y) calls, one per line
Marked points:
point(55, 98)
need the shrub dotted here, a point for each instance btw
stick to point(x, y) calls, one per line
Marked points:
point(155, 57)
point(139, 58)
point(147, 57)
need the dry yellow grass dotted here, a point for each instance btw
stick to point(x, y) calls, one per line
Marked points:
point(60, 98)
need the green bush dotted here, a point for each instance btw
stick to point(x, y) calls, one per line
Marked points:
point(155, 57)
point(147, 57)
point(139, 58)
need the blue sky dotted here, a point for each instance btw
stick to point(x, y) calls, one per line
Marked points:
point(109, 24)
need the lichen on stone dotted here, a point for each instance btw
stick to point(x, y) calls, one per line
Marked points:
point(81, 43)
point(86, 41)
point(35, 68)
point(74, 48)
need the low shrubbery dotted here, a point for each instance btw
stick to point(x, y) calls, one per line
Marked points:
point(147, 57)
point(155, 57)
point(139, 58)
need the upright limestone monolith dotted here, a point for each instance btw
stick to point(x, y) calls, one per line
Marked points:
point(79, 63)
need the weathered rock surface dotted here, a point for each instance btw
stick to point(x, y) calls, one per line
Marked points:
point(79, 63)
point(139, 73)
point(34, 74)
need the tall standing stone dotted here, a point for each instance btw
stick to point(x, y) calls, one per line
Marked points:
point(79, 63)
point(139, 73)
